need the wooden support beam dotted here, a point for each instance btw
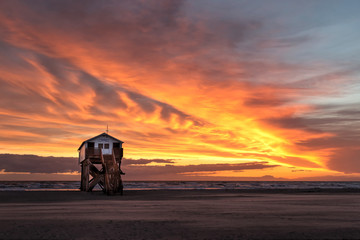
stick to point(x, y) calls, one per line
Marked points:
point(85, 175)
point(82, 178)
point(99, 179)
point(93, 170)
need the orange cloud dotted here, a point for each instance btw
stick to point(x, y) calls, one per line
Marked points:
point(168, 84)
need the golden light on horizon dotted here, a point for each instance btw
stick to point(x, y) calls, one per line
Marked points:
point(194, 88)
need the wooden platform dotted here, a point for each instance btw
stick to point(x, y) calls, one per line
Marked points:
point(103, 170)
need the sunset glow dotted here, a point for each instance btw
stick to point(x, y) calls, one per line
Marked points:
point(208, 88)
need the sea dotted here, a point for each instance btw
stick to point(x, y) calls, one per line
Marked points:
point(182, 185)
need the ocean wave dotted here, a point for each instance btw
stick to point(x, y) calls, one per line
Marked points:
point(177, 185)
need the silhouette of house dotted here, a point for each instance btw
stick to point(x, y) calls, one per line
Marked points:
point(100, 158)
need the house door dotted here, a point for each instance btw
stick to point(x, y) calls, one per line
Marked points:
point(105, 148)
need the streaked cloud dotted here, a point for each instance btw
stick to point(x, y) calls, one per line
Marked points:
point(223, 86)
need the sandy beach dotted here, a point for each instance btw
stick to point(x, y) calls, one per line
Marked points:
point(177, 214)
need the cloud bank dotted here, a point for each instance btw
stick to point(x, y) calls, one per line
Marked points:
point(219, 83)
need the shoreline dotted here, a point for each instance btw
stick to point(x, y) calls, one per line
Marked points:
point(180, 214)
point(249, 190)
point(158, 194)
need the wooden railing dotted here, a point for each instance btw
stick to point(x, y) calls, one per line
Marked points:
point(92, 152)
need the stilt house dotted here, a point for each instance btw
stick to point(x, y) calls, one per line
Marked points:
point(100, 160)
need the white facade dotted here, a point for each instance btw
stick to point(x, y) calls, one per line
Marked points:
point(103, 141)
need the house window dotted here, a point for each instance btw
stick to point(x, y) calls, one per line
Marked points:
point(106, 146)
point(101, 145)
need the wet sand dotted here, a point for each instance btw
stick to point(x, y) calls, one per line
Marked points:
point(176, 214)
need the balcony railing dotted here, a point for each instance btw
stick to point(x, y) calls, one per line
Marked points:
point(93, 152)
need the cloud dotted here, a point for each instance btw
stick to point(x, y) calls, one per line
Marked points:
point(206, 167)
point(136, 169)
point(37, 164)
point(188, 172)
point(284, 42)
point(346, 159)
point(297, 123)
point(127, 162)
point(173, 80)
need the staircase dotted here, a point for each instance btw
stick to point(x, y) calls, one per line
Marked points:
point(113, 182)
point(108, 177)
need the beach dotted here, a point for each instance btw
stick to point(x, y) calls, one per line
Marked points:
point(181, 214)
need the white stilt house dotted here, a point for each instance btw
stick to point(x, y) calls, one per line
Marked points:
point(107, 151)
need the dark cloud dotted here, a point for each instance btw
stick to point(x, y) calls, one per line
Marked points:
point(27, 101)
point(42, 131)
point(127, 161)
point(191, 172)
point(284, 42)
point(144, 103)
point(261, 101)
point(62, 71)
point(301, 170)
point(297, 123)
point(345, 150)
point(174, 171)
point(17, 94)
point(346, 139)
point(37, 164)
point(325, 82)
point(149, 105)
point(342, 120)
point(346, 159)
point(106, 94)
point(12, 57)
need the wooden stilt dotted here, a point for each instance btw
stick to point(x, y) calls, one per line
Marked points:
point(81, 178)
point(98, 177)
point(109, 178)
point(86, 175)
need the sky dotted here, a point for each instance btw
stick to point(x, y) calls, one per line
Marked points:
point(197, 90)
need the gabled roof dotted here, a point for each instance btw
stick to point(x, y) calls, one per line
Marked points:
point(100, 135)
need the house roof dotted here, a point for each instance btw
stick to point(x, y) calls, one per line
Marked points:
point(100, 135)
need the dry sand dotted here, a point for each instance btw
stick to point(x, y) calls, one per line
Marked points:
point(198, 214)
